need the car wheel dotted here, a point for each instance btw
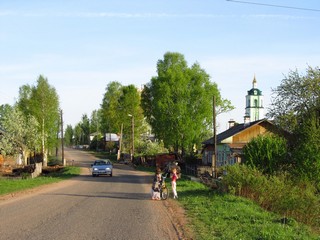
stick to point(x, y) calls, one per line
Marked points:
point(110, 174)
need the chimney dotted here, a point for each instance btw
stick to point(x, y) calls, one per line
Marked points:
point(246, 121)
point(231, 123)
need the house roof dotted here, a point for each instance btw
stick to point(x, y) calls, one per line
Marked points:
point(234, 130)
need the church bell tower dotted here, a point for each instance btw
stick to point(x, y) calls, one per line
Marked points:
point(254, 103)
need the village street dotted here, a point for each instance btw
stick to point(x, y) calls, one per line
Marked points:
point(87, 207)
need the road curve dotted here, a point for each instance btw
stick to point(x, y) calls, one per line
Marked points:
point(87, 207)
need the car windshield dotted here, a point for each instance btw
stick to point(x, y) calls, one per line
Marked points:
point(102, 163)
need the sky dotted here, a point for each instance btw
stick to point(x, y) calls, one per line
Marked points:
point(81, 46)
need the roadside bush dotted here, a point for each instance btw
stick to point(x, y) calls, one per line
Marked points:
point(280, 193)
point(150, 148)
point(267, 153)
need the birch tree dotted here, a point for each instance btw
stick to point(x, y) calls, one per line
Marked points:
point(42, 102)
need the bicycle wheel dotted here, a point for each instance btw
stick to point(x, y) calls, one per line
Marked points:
point(164, 193)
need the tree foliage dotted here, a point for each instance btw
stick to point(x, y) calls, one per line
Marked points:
point(81, 131)
point(19, 132)
point(42, 102)
point(178, 102)
point(296, 99)
point(296, 107)
point(120, 104)
point(150, 148)
point(110, 112)
point(268, 153)
point(68, 135)
point(306, 150)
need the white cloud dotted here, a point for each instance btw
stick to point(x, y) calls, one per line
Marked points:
point(52, 13)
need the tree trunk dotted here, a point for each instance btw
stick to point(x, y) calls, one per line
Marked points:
point(44, 151)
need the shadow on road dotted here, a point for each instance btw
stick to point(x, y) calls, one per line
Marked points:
point(121, 174)
point(115, 195)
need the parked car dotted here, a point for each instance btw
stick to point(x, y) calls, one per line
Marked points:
point(102, 167)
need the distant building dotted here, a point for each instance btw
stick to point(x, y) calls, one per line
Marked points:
point(111, 137)
point(254, 104)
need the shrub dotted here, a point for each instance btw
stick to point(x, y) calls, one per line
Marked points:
point(280, 193)
point(267, 153)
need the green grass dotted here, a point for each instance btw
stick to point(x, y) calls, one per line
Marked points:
point(225, 216)
point(14, 185)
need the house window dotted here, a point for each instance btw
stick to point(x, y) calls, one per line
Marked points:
point(207, 158)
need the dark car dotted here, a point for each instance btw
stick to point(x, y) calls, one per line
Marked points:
point(102, 167)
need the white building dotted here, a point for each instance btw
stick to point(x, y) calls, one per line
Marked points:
point(254, 104)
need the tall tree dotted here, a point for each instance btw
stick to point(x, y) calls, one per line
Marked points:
point(42, 102)
point(85, 125)
point(110, 111)
point(178, 102)
point(296, 107)
point(131, 114)
point(95, 121)
point(78, 134)
point(121, 106)
point(68, 135)
point(296, 99)
point(81, 131)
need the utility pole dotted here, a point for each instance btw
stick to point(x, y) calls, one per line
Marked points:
point(97, 131)
point(62, 140)
point(120, 143)
point(214, 155)
point(132, 137)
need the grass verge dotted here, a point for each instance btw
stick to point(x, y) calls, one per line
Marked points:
point(14, 185)
point(224, 216)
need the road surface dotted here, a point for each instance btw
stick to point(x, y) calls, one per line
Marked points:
point(87, 207)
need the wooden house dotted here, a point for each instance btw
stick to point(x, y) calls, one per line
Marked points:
point(231, 142)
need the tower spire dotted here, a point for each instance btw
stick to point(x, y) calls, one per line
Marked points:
point(254, 82)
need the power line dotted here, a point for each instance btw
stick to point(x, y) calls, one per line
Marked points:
point(273, 5)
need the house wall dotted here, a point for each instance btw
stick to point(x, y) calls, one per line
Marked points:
point(224, 153)
point(246, 135)
point(207, 155)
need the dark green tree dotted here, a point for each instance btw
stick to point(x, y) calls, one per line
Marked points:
point(178, 103)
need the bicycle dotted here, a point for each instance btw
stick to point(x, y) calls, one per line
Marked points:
point(164, 191)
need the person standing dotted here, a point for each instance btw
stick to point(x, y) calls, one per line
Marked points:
point(174, 178)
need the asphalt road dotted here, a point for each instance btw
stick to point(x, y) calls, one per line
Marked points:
point(87, 207)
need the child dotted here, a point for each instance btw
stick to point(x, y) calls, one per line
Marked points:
point(174, 178)
point(157, 180)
